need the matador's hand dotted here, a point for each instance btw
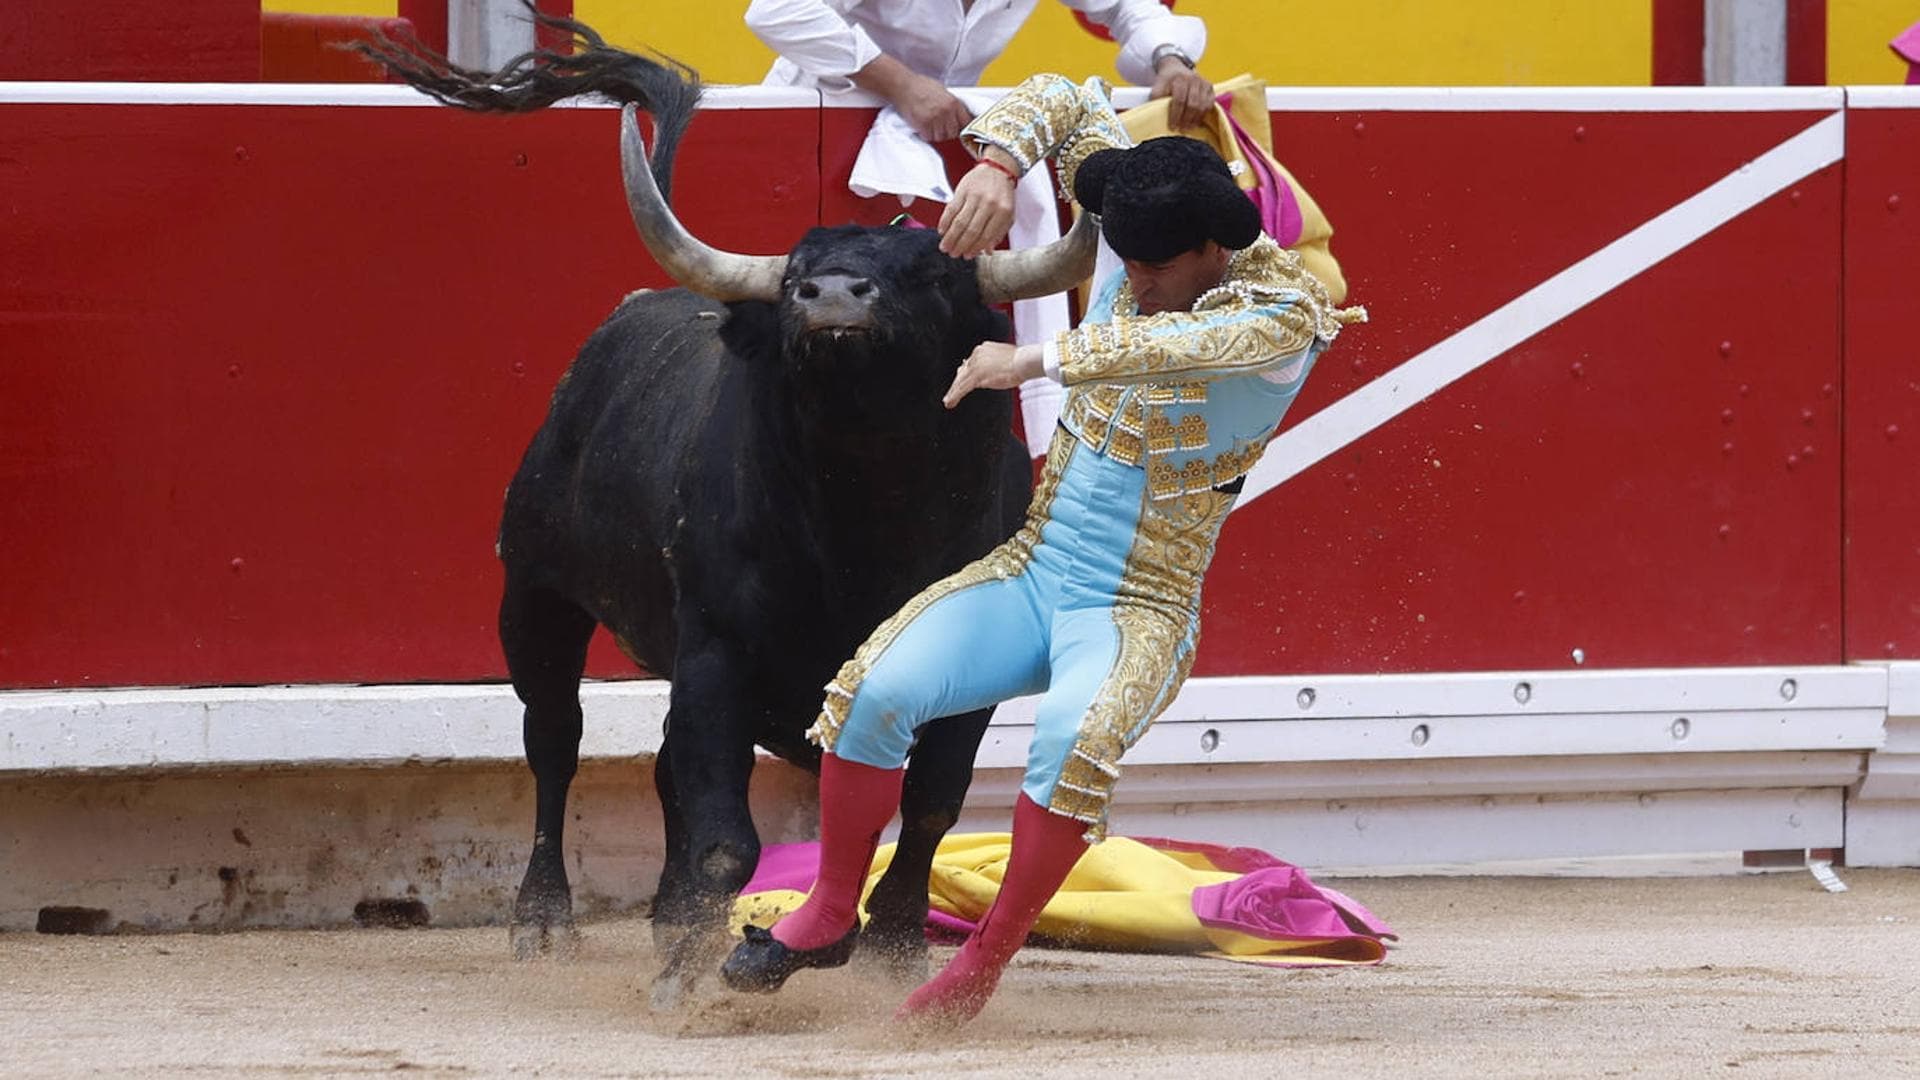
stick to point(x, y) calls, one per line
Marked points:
point(981, 211)
point(994, 365)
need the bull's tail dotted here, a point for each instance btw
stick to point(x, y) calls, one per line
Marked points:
point(662, 86)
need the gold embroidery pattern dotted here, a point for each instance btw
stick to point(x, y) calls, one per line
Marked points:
point(1009, 560)
point(1156, 613)
point(1131, 348)
point(1176, 343)
point(1190, 393)
point(1049, 116)
point(1200, 474)
point(1122, 426)
point(1165, 437)
point(1089, 414)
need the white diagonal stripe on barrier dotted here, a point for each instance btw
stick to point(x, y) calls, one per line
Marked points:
point(1566, 292)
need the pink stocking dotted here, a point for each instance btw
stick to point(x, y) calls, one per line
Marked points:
point(856, 802)
point(1045, 848)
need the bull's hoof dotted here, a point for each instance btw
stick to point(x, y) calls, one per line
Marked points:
point(533, 941)
point(907, 964)
point(760, 964)
point(689, 956)
point(669, 990)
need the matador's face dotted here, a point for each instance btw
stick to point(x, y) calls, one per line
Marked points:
point(1174, 284)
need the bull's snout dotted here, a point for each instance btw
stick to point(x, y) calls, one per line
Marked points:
point(836, 302)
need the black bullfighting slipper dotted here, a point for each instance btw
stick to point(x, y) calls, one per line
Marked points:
point(760, 964)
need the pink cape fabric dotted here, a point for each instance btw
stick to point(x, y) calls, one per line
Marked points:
point(1907, 45)
point(1280, 215)
point(1271, 898)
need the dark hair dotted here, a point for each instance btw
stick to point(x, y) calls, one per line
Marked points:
point(1163, 197)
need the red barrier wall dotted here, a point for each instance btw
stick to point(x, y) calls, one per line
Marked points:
point(298, 48)
point(178, 40)
point(265, 371)
point(1615, 485)
point(1883, 379)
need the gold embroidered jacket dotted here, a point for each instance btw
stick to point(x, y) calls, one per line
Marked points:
point(1191, 396)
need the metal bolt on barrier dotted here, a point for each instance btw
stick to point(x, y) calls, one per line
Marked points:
point(1305, 697)
point(1789, 689)
point(1523, 692)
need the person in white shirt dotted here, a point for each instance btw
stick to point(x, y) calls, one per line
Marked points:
point(910, 51)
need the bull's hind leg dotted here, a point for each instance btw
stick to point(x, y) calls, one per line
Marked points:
point(938, 775)
point(545, 637)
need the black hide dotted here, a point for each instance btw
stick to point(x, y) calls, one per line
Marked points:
point(740, 493)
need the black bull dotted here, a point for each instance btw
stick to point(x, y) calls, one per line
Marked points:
point(740, 482)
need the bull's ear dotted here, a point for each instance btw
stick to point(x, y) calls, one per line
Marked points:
point(1041, 271)
point(720, 275)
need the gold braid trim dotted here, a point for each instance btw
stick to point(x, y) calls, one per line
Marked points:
point(1181, 345)
point(1048, 116)
point(1156, 614)
point(1009, 560)
point(1201, 474)
point(1129, 428)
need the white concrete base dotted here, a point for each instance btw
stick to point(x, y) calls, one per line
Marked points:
point(287, 848)
point(1883, 809)
point(292, 806)
point(1377, 815)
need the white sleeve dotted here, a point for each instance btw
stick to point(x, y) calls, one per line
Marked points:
point(1141, 26)
point(815, 36)
point(1050, 359)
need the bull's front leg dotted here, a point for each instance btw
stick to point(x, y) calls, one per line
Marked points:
point(707, 760)
point(938, 775)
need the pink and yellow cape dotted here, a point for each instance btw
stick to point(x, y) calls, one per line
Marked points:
point(1132, 894)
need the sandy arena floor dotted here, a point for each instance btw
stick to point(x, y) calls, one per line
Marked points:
point(1749, 976)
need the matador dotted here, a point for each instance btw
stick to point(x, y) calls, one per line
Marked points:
point(1187, 361)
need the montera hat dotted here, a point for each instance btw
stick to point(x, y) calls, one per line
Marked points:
point(1164, 197)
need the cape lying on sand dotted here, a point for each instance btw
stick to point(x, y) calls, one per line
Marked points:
point(1131, 894)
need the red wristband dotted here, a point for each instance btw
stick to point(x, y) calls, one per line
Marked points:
point(990, 163)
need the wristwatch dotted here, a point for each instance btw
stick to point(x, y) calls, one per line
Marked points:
point(1174, 51)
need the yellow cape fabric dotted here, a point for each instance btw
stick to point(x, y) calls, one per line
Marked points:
point(1122, 895)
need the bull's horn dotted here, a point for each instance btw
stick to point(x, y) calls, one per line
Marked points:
point(1019, 275)
point(720, 275)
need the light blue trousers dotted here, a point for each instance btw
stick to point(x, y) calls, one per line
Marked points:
point(1059, 617)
